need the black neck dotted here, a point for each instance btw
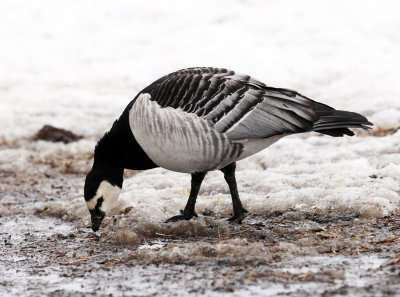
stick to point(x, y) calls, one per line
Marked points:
point(113, 173)
point(119, 149)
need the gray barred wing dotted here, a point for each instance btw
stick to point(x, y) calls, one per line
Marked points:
point(242, 107)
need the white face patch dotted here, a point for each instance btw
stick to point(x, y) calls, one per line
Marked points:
point(109, 193)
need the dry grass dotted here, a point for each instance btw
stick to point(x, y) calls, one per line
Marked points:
point(378, 132)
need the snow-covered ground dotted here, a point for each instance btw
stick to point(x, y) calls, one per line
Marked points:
point(76, 64)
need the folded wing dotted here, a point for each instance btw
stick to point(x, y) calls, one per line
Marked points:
point(244, 108)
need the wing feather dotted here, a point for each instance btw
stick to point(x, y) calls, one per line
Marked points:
point(245, 108)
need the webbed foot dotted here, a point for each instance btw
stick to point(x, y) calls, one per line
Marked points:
point(238, 216)
point(183, 216)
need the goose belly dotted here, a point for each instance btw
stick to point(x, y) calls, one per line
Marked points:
point(253, 146)
point(177, 140)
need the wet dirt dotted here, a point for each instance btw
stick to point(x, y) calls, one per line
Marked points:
point(289, 253)
point(50, 133)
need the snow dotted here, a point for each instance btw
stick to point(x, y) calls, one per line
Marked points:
point(77, 64)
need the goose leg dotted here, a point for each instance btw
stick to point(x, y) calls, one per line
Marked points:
point(238, 209)
point(189, 212)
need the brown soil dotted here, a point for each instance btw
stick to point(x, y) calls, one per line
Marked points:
point(278, 254)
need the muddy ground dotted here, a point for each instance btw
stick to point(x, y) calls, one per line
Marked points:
point(48, 248)
point(279, 254)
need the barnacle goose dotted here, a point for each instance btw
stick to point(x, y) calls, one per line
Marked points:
point(200, 119)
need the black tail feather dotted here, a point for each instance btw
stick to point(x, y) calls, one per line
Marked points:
point(336, 132)
point(336, 122)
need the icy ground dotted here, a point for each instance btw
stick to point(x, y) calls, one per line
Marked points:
point(324, 211)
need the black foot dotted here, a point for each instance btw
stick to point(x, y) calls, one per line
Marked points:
point(183, 216)
point(238, 217)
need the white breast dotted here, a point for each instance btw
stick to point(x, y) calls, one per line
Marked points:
point(179, 141)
